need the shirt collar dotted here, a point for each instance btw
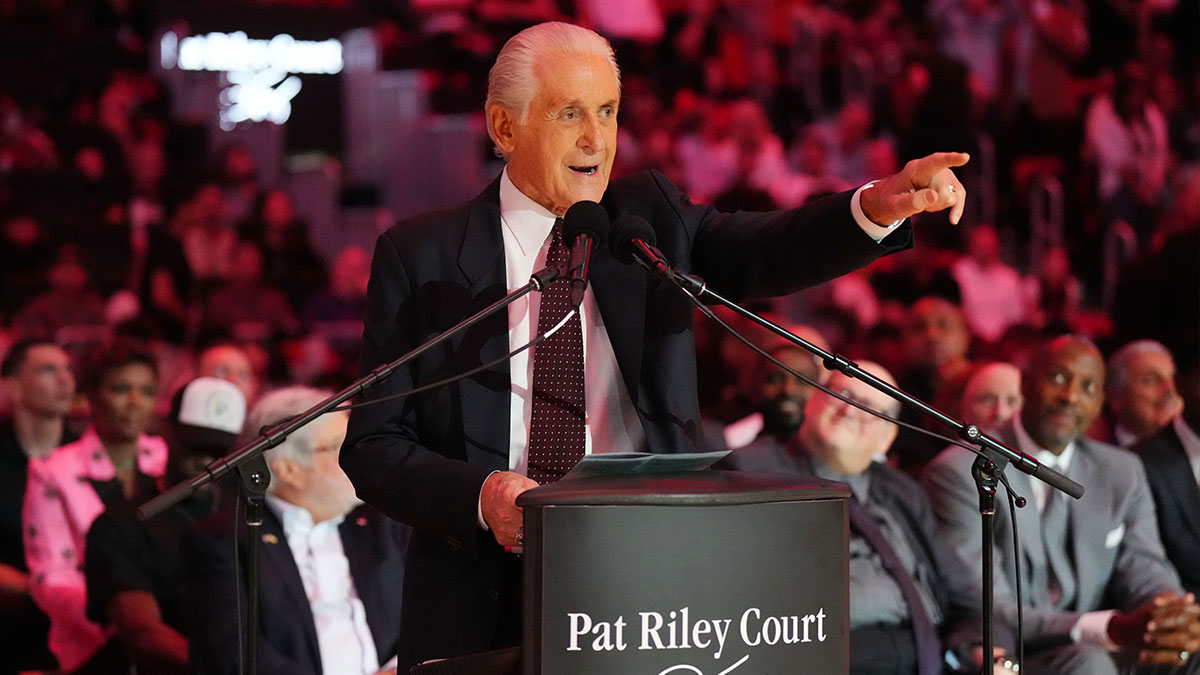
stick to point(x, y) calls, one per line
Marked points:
point(1025, 442)
point(296, 520)
point(859, 484)
point(528, 222)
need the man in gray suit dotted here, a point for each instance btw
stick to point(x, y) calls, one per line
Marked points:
point(1097, 587)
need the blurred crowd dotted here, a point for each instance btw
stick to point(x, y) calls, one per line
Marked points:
point(118, 222)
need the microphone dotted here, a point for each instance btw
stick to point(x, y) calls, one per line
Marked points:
point(633, 240)
point(583, 224)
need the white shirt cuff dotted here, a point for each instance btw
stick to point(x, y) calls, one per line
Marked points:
point(1092, 628)
point(876, 232)
point(479, 506)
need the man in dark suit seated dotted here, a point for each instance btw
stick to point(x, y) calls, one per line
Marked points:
point(1172, 461)
point(1097, 587)
point(1141, 392)
point(890, 521)
point(620, 375)
point(332, 568)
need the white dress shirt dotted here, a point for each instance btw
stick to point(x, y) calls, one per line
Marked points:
point(343, 636)
point(1190, 442)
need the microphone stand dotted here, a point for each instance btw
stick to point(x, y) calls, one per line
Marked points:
point(248, 460)
point(993, 455)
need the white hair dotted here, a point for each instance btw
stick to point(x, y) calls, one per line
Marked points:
point(512, 83)
point(1119, 363)
point(278, 405)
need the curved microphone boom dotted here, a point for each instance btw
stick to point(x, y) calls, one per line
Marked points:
point(583, 224)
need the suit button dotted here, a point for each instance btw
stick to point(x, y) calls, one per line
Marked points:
point(493, 594)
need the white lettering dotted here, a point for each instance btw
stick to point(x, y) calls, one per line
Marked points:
point(745, 627)
point(649, 631)
point(721, 626)
point(581, 624)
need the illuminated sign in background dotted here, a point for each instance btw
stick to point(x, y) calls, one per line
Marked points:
point(261, 76)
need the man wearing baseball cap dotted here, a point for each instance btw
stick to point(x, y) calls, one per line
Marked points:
point(134, 569)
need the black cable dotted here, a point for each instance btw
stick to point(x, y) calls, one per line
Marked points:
point(449, 380)
point(1012, 512)
point(804, 378)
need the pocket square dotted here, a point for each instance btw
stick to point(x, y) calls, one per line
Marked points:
point(1114, 536)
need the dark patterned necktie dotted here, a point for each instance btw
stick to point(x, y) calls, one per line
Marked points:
point(928, 645)
point(556, 434)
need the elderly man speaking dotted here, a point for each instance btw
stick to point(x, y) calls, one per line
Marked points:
point(620, 375)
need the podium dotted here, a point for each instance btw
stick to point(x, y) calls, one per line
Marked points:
point(705, 573)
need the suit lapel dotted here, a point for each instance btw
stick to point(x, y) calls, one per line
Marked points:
point(1184, 488)
point(363, 557)
point(1085, 528)
point(485, 396)
point(279, 567)
point(620, 291)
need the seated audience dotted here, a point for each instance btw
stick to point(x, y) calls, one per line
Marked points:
point(1141, 392)
point(991, 396)
point(1172, 460)
point(895, 554)
point(134, 570)
point(40, 387)
point(1096, 584)
point(114, 462)
point(320, 544)
point(779, 397)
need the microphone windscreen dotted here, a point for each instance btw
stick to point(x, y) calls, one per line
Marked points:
point(627, 229)
point(585, 218)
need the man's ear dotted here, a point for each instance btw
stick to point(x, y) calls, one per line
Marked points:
point(502, 124)
point(289, 472)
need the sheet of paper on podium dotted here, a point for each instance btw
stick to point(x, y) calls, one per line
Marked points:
point(642, 463)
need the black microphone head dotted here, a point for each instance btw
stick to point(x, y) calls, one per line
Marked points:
point(585, 218)
point(627, 229)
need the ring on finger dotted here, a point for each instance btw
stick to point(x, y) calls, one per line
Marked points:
point(951, 189)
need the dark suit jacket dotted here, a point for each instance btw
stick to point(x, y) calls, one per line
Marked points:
point(1176, 501)
point(374, 546)
point(424, 459)
point(958, 599)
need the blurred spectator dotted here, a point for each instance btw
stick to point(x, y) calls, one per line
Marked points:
point(23, 146)
point(1140, 392)
point(70, 301)
point(848, 143)
point(778, 396)
point(229, 362)
point(992, 294)
point(1126, 136)
point(1055, 296)
point(936, 341)
point(289, 261)
point(1172, 460)
point(113, 463)
point(237, 175)
point(247, 307)
point(202, 226)
point(346, 297)
point(40, 388)
point(992, 396)
point(25, 255)
point(133, 567)
point(976, 32)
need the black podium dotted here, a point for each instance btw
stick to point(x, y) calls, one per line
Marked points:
point(706, 573)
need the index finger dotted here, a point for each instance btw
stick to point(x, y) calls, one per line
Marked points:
point(924, 169)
